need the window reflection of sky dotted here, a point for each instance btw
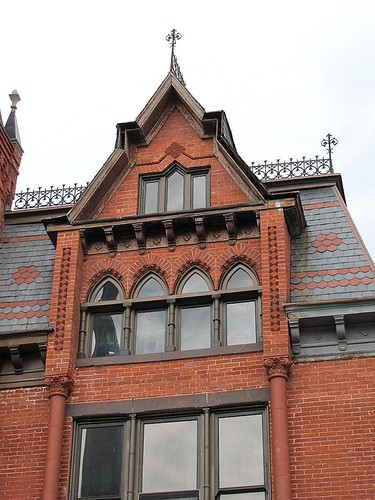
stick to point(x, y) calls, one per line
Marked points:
point(152, 288)
point(240, 451)
point(241, 327)
point(170, 456)
point(150, 331)
point(195, 284)
point(195, 327)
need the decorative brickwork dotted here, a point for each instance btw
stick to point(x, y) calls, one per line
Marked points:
point(175, 149)
point(63, 291)
point(106, 272)
point(274, 279)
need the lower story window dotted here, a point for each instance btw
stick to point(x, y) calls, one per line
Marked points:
point(219, 454)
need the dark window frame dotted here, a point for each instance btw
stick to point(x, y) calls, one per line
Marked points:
point(162, 179)
point(207, 466)
point(172, 305)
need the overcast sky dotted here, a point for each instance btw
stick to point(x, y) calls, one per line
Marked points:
point(285, 72)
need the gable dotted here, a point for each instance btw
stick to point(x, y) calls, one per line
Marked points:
point(173, 126)
point(176, 143)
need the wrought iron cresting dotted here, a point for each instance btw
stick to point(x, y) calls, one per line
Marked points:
point(39, 198)
point(293, 168)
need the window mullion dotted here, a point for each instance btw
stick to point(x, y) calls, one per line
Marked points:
point(171, 340)
point(216, 319)
point(127, 330)
point(206, 454)
point(82, 335)
point(131, 468)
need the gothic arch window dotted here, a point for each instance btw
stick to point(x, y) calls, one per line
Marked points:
point(240, 306)
point(152, 321)
point(174, 190)
point(149, 321)
point(103, 316)
point(194, 301)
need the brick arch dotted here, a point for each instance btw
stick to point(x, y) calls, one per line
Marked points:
point(104, 267)
point(149, 263)
point(193, 258)
point(239, 253)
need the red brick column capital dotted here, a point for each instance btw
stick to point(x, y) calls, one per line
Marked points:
point(277, 366)
point(59, 385)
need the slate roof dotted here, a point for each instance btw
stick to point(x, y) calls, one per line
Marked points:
point(26, 271)
point(328, 261)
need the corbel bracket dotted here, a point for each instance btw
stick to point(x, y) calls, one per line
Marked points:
point(16, 358)
point(340, 332)
point(170, 234)
point(231, 228)
point(140, 237)
point(201, 232)
point(83, 241)
point(295, 334)
point(110, 239)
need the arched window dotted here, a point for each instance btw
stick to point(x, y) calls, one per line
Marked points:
point(240, 306)
point(195, 311)
point(149, 316)
point(152, 321)
point(174, 190)
point(104, 320)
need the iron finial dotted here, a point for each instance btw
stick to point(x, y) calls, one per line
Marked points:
point(173, 37)
point(328, 142)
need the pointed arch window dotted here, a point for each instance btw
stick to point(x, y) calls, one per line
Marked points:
point(150, 316)
point(240, 306)
point(152, 321)
point(175, 190)
point(195, 313)
point(104, 320)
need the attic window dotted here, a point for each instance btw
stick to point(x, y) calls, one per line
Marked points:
point(177, 189)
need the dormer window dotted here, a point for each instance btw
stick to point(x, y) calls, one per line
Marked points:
point(177, 189)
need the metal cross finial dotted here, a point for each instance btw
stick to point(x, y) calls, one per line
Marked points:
point(173, 37)
point(328, 142)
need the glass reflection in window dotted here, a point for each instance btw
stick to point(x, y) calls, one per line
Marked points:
point(195, 284)
point(107, 292)
point(199, 191)
point(241, 451)
point(240, 279)
point(195, 327)
point(170, 453)
point(175, 192)
point(150, 331)
point(106, 336)
point(152, 288)
point(240, 322)
point(151, 197)
point(100, 465)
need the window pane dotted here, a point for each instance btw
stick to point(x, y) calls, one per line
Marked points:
point(107, 292)
point(100, 462)
point(170, 456)
point(240, 451)
point(195, 284)
point(195, 327)
point(150, 332)
point(175, 192)
point(257, 495)
point(151, 194)
point(240, 279)
point(240, 322)
point(199, 195)
point(106, 336)
point(152, 288)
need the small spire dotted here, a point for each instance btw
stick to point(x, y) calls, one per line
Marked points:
point(11, 126)
point(172, 37)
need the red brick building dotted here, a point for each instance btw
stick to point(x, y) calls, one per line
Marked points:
point(191, 327)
